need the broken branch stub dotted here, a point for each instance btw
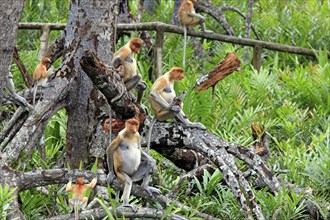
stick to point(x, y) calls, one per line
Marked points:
point(227, 66)
point(109, 83)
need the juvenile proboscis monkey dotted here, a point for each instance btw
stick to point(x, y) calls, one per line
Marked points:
point(189, 19)
point(40, 75)
point(78, 198)
point(129, 162)
point(164, 103)
point(124, 60)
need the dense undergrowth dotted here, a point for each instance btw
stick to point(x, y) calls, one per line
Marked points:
point(289, 95)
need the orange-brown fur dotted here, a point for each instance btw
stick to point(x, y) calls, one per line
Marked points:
point(78, 189)
point(187, 7)
point(166, 80)
point(40, 71)
point(128, 69)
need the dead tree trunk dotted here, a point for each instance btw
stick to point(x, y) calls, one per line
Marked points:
point(90, 28)
point(10, 12)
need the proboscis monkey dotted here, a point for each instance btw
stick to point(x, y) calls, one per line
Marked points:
point(129, 162)
point(189, 19)
point(124, 60)
point(78, 198)
point(164, 103)
point(40, 75)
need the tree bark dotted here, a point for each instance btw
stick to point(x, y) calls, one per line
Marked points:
point(90, 26)
point(10, 12)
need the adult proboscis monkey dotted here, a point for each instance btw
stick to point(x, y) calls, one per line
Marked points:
point(188, 18)
point(164, 103)
point(129, 162)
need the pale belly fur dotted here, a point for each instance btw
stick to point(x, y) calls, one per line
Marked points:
point(168, 96)
point(130, 68)
point(131, 155)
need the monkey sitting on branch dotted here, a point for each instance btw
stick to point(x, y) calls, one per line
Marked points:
point(166, 104)
point(124, 60)
point(129, 162)
point(40, 75)
point(188, 18)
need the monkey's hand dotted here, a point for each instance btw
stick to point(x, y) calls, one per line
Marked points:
point(153, 165)
point(111, 177)
point(175, 108)
point(132, 206)
point(150, 190)
point(117, 62)
point(129, 60)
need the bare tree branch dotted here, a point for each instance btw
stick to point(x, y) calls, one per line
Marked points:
point(142, 213)
point(26, 76)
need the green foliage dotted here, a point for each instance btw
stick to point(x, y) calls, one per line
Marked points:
point(289, 96)
point(286, 205)
point(6, 196)
point(214, 198)
point(55, 136)
point(36, 204)
point(47, 11)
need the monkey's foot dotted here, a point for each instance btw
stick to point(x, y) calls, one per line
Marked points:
point(150, 190)
point(197, 125)
point(47, 85)
point(175, 108)
point(110, 178)
point(133, 207)
point(208, 31)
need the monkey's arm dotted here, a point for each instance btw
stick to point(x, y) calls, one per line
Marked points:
point(196, 16)
point(92, 184)
point(69, 187)
point(110, 150)
point(120, 57)
point(158, 98)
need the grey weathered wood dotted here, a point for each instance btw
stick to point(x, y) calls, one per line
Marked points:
point(31, 130)
point(89, 28)
point(44, 41)
point(257, 57)
point(153, 26)
point(127, 213)
point(210, 146)
point(158, 55)
point(10, 12)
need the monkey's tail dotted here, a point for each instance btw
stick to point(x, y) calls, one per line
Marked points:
point(149, 134)
point(76, 211)
point(184, 46)
point(34, 94)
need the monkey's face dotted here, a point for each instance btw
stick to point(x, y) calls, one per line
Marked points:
point(46, 61)
point(137, 48)
point(136, 45)
point(132, 125)
point(176, 75)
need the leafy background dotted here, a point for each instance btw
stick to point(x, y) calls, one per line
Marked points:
point(289, 95)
